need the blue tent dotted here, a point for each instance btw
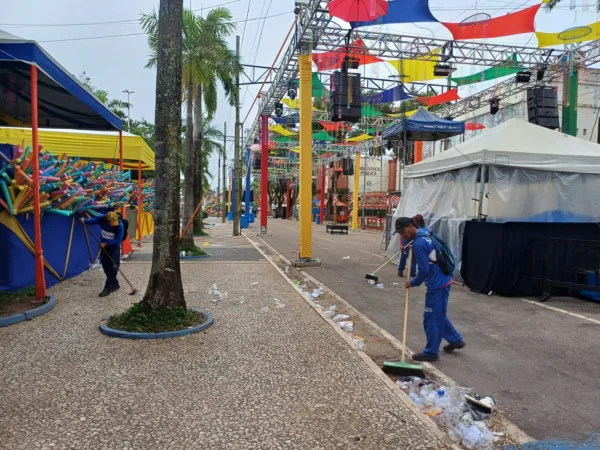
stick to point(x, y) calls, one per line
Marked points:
point(63, 102)
point(423, 126)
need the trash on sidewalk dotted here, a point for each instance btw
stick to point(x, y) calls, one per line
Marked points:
point(346, 325)
point(315, 293)
point(359, 342)
point(346, 257)
point(264, 309)
point(207, 244)
point(453, 409)
point(255, 283)
point(330, 312)
point(371, 281)
point(341, 317)
point(95, 266)
point(379, 286)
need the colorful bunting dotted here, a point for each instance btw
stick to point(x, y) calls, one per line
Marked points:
point(570, 36)
point(407, 114)
point(369, 111)
point(318, 88)
point(294, 104)
point(282, 131)
point(507, 25)
point(334, 59)
point(361, 138)
point(402, 11)
point(394, 94)
point(420, 69)
point(510, 67)
point(446, 97)
point(323, 136)
point(334, 126)
point(472, 126)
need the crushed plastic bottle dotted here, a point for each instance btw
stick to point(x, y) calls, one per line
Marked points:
point(340, 317)
point(442, 401)
point(330, 312)
point(371, 281)
point(315, 293)
point(359, 342)
point(416, 399)
point(346, 257)
point(346, 325)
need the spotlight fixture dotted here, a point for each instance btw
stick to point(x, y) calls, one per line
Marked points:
point(279, 109)
point(523, 77)
point(292, 92)
point(350, 63)
point(541, 72)
point(494, 105)
point(443, 70)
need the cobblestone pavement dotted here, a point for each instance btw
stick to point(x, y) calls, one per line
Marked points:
point(270, 373)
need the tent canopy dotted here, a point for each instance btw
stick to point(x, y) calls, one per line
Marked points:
point(92, 145)
point(423, 126)
point(63, 102)
point(516, 143)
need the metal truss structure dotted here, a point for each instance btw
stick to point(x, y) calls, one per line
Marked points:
point(315, 24)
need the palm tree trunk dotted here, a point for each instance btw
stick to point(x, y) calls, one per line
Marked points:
point(164, 286)
point(189, 172)
point(199, 179)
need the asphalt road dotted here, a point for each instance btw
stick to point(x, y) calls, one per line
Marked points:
point(539, 363)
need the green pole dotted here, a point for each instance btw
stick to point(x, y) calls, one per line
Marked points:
point(569, 109)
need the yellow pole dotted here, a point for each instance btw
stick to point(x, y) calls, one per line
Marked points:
point(305, 66)
point(355, 208)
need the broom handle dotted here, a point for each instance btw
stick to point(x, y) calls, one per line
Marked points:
point(410, 255)
point(380, 267)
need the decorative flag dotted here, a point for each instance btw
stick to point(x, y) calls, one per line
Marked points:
point(472, 126)
point(361, 138)
point(334, 126)
point(282, 131)
point(510, 67)
point(570, 36)
point(446, 97)
point(402, 11)
point(389, 95)
point(333, 60)
point(507, 25)
point(420, 69)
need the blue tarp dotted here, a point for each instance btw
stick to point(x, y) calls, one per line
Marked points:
point(17, 262)
point(402, 11)
point(423, 126)
point(62, 101)
point(394, 94)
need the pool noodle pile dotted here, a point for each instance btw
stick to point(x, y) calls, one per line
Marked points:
point(67, 185)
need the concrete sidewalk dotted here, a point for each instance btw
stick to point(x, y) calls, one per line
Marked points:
point(271, 373)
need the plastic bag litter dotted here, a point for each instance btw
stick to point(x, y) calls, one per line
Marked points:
point(379, 286)
point(315, 293)
point(346, 257)
point(255, 283)
point(265, 309)
point(95, 266)
point(330, 312)
point(359, 342)
point(347, 325)
point(340, 317)
point(371, 281)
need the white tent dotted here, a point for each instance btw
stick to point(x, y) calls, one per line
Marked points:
point(531, 174)
point(516, 143)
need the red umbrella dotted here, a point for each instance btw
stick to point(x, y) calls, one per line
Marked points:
point(358, 10)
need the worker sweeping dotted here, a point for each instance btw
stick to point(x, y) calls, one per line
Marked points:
point(435, 266)
point(419, 223)
point(112, 236)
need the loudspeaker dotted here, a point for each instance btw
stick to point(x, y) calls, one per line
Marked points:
point(542, 106)
point(345, 97)
point(348, 166)
point(546, 122)
point(537, 111)
point(257, 163)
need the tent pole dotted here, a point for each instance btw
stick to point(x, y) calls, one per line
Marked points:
point(121, 167)
point(322, 202)
point(481, 191)
point(139, 214)
point(40, 281)
point(264, 173)
point(356, 190)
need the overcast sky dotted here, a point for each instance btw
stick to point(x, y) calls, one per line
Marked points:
point(117, 63)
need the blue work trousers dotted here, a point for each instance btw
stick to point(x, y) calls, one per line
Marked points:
point(436, 322)
point(110, 270)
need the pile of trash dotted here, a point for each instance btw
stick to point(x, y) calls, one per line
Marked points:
point(460, 413)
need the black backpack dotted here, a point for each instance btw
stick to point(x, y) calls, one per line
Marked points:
point(125, 226)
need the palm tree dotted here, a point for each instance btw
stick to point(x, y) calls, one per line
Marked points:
point(553, 3)
point(207, 60)
point(165, 289)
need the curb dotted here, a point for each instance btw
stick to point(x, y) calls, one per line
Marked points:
point(208, 255)
point(106, 330)
point(28, 315)
point(427, 422)
point(518, 435)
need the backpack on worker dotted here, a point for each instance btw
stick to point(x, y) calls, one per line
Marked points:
point(444, 257)
point(125, 226)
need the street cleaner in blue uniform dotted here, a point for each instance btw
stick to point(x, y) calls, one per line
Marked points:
point(419, 223)
point(435, 265)
point(112, 236)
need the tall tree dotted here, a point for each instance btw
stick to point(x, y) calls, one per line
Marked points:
point(553, 3)
point(165, 288)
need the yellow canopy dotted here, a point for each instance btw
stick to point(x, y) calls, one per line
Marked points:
point(282, 131)
point(362, 137)
point(570, 36)
point(92, 145)
point(408, 113)
point(295, 104)
point(417, 69)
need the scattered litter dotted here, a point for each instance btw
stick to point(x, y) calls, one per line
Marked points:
point(297, 283)
point(318, 305)
point(453, 411)
point(396, 284)
point(217, 358)
point(330, 312)
point(255, 283)
point(287, 269)
point(315, 293)
point(359, 342)
point(371, 281)
point(346, 257)
point(278, 303)
point(265, 309)
point(341, 317)
point(490, 293)
point(217, 295)
point(207, 244)
point(379, 286)
point(95, 266)
point(346, 325)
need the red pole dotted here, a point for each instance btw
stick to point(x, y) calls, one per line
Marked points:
point(264, 173)
point(139, 195)
point(322, 202)
point(40, 281)
point(288, 199)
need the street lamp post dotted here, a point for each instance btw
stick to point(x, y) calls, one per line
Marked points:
point(128, 92)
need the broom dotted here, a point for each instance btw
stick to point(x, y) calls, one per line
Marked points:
point(375, 278)
point(401, 367)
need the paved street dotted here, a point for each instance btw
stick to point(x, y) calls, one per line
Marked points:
point(539, 363)
point(270, 373)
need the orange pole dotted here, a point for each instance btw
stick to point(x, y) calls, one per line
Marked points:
point(418, 151)
point(40, 281)
point(139, 193)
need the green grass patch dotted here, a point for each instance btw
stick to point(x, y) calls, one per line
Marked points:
point(136, 320)
point(17, 296)
point(194, 251)
point(17, 302)
point(199, 232)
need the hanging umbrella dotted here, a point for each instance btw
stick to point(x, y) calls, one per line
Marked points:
point(358, 10)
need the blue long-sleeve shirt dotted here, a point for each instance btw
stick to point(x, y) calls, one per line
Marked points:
point(110, 235)
point(428, 271)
